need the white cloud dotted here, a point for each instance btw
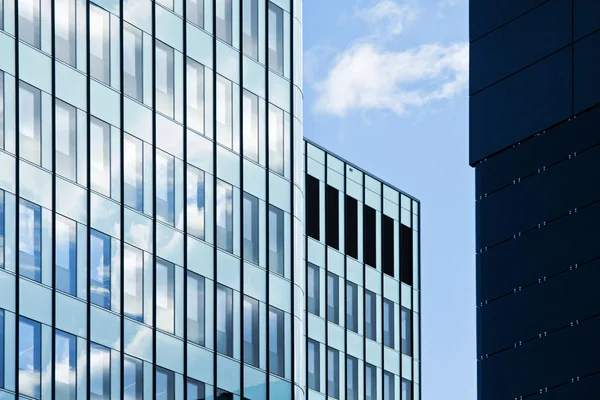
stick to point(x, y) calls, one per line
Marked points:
point(388, 16)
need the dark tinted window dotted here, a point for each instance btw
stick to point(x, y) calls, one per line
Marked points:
point(332, 214)
point(351, 228)
point(387, 243)
point(369, 236)
point(406, 254)
point(312, 207)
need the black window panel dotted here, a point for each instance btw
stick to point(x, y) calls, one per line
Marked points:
point(387, 243)
point(312, 207)
point(406, 254)
point(332, 214)
point(351, 226)
point(369, 236)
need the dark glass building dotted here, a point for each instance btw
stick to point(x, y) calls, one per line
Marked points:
point(535, 147)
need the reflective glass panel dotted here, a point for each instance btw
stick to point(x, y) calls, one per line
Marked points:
point(165, 187)
point(275, 38)
point(195, 308)
point(250, 127)
point(224, 320)
point(251, 332)
point(165, 384)
point(276, 240)
point(99, 44)
point(314, 365)
point(66, 255)
point(225, 216)
point(100, 156)
point(30, 240)
point(165, 296)
point(66, 140)
point(30, 123)
point(313, 289)
point(164, 79)
point(276, 341)
point(99, 372)
point(133, 175)
point(250, 28)
point(100, 269)
point(133, 288)
point(195, 202)
point(132, 62)
point(250, 228)
point(30, 357)
point(224, 11)
point(29, 22)
point(195, 94)
point(276, 139)
point(65, 20)
point(133, 387)
point(65, 365)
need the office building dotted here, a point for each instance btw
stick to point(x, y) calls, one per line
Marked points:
point(362, 284)
point(534, 144)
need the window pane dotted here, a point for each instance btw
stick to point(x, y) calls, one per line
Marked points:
point(65, 361)
point(133, 288)
point(352, 378)
point(1, 99)
point(224, 320)
point(165, 296)
point(352, 307)
point(223, 11)
point(388, 386)
point(30, 131)
point(133, 176)
point(276, 341)
point(224, 216)
point(64, 17)
point(276, 238)
point(250, 228)
point(314, 365)
point(1, 345)
point(99, 372)
point(250, 127)
point(333, 373)
point(251, 332)
point(65, 137)
point(30, 355)
point(2, 212)
point(250, 28)
point(333, 298)
point(371, 382)
point(165, 384)
point(195, 308)
point(313, 289)
point(276, 139)
point(165, 187)
point(99, 44)
point(406, 329)
point(100, 269)
point(30, 243)
point(100, 156)
point(66, 255)
point(195, 390)
point(370, 315)
point(132, 61)
point(164, 79)
point(388, 323)
point(275, 38)
point(29, 22)
point(133, 385)
point(195, 202)
point(195, 94)
point(224, 111)
point(195, 12)
point(406, 389)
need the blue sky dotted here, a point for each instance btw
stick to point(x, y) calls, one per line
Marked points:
point(385, 86)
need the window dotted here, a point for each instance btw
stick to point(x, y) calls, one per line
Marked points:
point(64, 19)
point(250, 127)
point(30, 127)
point(1, 97)
point(406, 389)
point(165, 384)
point(133, 175)
point(275, 38)
point(370, 315)
point(224, 112)
point(251, 331)
point(225, 216)
point(195, 202)
point(351, 227)
point(250, 28)
point(195, 390)
point(314, 365)
point(66, 255)
point(224, 12)
point(66, 140)
point(132, 61)
point(133, 286)
point(387, 245)
point(388, 323)
point(370, 382)
point(133, 378)
point(165, 296)
point(195, 308)
point(406, 254)
point(388, 386)
point(276, 341)
point(2, 231)
point(195, 12)
point(332, 214)
point(369, 236)
point(314, 289)
point(250, 228)
point(164, 79)
point(352, 307)
point(333, 298)
point(224, 320)
point(333, 373)
point(276, 139)
point(100, 156)
point(99, 44)
point(1, 342)
point(100, 255)
point(351, 378)
point(406, 329)
point(165, 187)
point(30, 356)
point(99, 372)
point(65, 366)
point(195, 94)
point(30, 240)
point(276, 238)
point(29, 22)
point(312, 208)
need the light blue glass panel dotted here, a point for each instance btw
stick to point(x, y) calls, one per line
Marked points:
point(200, 152)
point(169, 352)
point(115, 67)
point(35, 185)
point(71, 200)
point(179, 194)
point(228, 166)
point(82, 261)
point(179, 301)
point(228, 270)
point(115, 277)
point(148, 48)
point(148, 179)
point(138, 230)
point(115, 161)
point(29, 361)
point(200, 257)
point(81, 35)
point(6, 396)
point(71, 86)
point(10, 350)
point(169, 136)
point(71, 315)
point(81, 369)
point(7, 288)
point(228, 374)
point(255, 385)
point(208, 101)
point(35, 68)
point(139, 13)
point(280, 389)
point(115, 374)
point(228, 63)
point(105, 328)
point(148, 378)
point(7, 172)
point(81, 148)
point(254, 180)
point(105, 103)
point(254, 76)
point(9, 232)
point(179, 73)
point(198, 359)
point(169, 244)
point(279, 91)
point(255, 282)
point(148, 288)
point(138, 120)
point(35, 301)
point(279, 192)
point(46, 363)
point(169, 28)
point(9, 112)
point(287, 45)
point(7, 47)
point(203, 44)
point(138, 340)
point(105, 216)
point(280, 290)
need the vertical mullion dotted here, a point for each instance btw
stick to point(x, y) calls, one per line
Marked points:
point(241, 136)
point(185, 223)
point(326, 286)
point(382, 290)
point(18, 185)
point(267, 197)
point(89, 205)
point(345, 289)
point(122, 185)
point(53, 83)
point(305, 266)
point(154, 322)
point(214, 117)
point(364, 279)
point(292, 234)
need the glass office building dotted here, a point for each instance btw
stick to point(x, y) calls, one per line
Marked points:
point(362, 284)
point(151, 203)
